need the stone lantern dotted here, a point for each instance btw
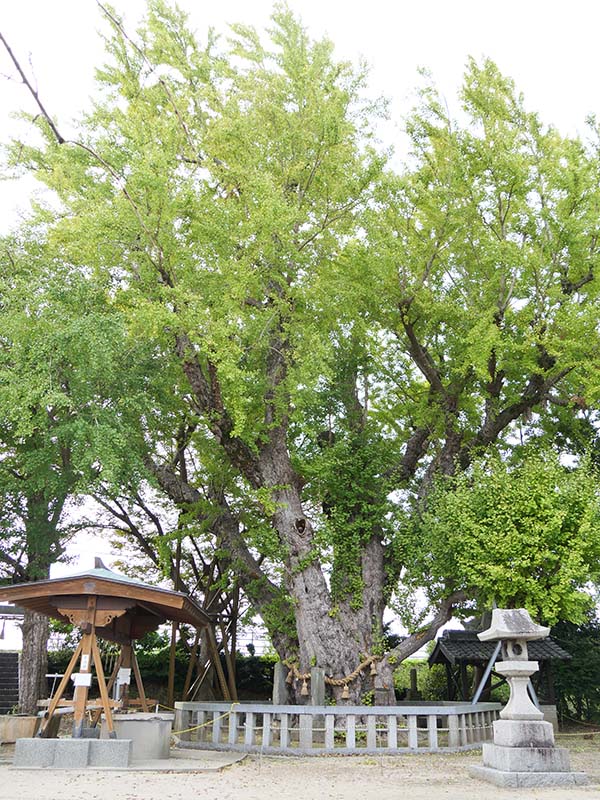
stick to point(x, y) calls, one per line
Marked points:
point(523, 752)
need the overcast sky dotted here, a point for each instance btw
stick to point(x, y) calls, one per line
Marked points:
point(548, 47)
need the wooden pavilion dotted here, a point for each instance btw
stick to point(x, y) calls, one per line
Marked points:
point(106, 605)
point(457, 650)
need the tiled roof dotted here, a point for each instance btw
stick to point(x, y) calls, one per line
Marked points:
point(456, 646)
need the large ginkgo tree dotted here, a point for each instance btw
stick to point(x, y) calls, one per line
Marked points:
point(337, 335)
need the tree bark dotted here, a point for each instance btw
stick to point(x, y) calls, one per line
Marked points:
point(33, 665)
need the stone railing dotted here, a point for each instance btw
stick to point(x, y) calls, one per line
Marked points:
point(318, 730)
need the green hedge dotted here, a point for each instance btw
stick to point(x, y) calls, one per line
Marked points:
point(254, 674)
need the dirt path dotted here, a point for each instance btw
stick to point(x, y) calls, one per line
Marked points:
point(410, 777)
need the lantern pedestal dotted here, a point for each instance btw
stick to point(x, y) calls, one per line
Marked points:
point(523, 753)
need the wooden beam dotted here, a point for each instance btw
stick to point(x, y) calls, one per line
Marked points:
point(172, 657)
point(102, 687)
point(54, 702)
point(230, 666)
point(191, 665)
point(85, 668)
point(212, 642)
point(138, 681)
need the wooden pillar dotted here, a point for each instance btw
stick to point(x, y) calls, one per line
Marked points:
point(449, 680)
point(103, 690)
point(214, 650)
point(174, 629)
point(233, 622)
point(138, 681)
point(464, 684)
point(478, 673)
point(191, 665)
point(172, 654)
point(547, 691)
point(126, 651)
point(83, 679)
point(230, 662)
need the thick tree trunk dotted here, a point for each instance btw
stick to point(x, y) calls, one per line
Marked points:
point(334, 635)
point(33, 666)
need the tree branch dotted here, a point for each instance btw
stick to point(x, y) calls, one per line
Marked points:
point(33, 92)
point(422, 357)
point(414, 642)
point(535, 391)
point(18, 568)
point(207, 397)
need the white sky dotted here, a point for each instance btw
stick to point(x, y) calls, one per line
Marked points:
point(550, 48)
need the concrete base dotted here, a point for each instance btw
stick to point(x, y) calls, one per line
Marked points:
point(16, 726)
point(34, 752)
point(525, 759)
point(183, 762)
point(150, 734)
point(69, 753)
point(529, 779)
point(115, 753)
point(519, 733)
point(72, 753)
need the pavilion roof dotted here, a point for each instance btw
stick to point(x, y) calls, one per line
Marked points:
point(148, 606)
point(463, 646)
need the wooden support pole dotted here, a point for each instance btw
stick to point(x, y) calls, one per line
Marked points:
point(191, 665)
point(111, 682)
point(464, 683)
point(212, 641)
point(172, 654)
point(126, 662)
point(233, 623)
point(103, 690)
point(174, 629)
point(82, 682)
point(230, 666)
point(449, 681)
point(138, 681)
point(54, 702)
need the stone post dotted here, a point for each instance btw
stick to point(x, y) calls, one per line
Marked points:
point(280, 693)
point(523, 753)
point(413, 692)
point(317, 698)
point(317, 686)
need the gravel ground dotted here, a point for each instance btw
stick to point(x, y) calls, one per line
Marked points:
point(409, 777)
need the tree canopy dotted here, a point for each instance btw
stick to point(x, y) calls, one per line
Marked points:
point(519, 535)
